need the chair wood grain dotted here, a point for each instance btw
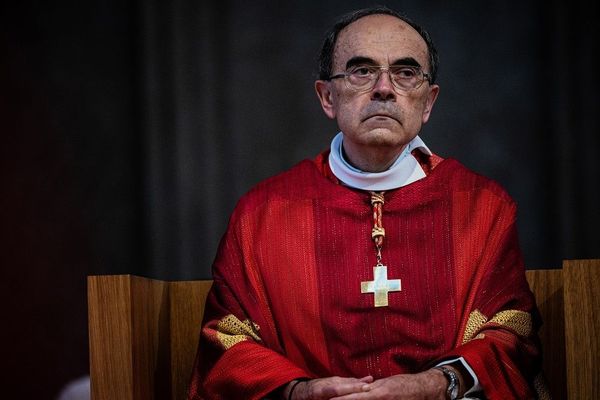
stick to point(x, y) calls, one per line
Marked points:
point(547, 286)
point(187, 308)
point(143, 336)
point(110, 336)
point(582, 327)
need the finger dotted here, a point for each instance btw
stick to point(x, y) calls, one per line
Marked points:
point(367, 379)
point(353, 396)
point(341, 389)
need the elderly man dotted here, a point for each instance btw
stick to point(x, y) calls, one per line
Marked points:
point(377, 270)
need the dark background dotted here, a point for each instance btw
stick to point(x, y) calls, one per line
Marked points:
point(130, 129)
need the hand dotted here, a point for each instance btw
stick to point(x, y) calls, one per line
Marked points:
point(427, 385)
point(326, 388)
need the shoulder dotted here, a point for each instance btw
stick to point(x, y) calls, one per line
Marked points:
point(461, 179)
point(300, 182)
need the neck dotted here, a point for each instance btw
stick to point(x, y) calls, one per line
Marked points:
point(374, 159)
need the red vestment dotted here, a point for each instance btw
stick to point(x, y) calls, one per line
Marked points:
point(286, 300)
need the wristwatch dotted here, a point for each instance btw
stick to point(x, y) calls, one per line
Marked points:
point(453, 382)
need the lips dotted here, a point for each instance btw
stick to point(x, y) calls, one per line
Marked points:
point(380, 115)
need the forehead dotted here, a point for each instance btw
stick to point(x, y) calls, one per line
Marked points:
point(383, 38)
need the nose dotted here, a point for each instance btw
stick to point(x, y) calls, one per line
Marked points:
point(383, 89)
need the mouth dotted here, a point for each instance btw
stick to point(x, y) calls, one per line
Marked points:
point(380, 117)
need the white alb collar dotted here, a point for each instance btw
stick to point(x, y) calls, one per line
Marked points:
point(405, 170)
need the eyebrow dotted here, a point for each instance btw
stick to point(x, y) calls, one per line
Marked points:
point(358, 60)
point(407, 61)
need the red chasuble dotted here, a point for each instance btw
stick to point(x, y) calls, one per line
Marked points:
point(287, 303)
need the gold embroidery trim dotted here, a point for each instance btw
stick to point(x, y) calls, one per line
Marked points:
point(518, 321)
point(230, 331)
point(474, 324)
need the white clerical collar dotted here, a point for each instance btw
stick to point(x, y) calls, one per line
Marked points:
point(405, 170)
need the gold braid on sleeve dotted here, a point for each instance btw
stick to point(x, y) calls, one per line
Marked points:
point(230, 331)
point(516, 320)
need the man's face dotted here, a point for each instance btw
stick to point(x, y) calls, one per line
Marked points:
point(383, 116)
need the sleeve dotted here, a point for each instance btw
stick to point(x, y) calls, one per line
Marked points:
point(499, 340)
point(239, 355)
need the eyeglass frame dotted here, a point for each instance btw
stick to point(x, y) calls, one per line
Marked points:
point(380, 69)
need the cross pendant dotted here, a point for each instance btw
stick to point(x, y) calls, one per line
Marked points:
point(380, 285)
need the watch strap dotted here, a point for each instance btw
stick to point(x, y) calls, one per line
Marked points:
point(453, 382)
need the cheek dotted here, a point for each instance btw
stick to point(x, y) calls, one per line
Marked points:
point(415, 109)
point(347, 109)
point(344, 119)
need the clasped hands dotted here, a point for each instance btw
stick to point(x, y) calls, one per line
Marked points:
point(427, 385)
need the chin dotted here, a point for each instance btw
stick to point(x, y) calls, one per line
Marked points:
point(385, 137)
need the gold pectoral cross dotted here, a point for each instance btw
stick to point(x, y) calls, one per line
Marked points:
point(380, 285)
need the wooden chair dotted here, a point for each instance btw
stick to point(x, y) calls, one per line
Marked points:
point(143, 336)
point(144, 333)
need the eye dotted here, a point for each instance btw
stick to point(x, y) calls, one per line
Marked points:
point(362, 71)
point(404, 72)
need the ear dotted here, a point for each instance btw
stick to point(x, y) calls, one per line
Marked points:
point(325, 95)
point(432, 95)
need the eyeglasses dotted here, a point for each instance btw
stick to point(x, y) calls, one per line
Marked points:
point(362, 78)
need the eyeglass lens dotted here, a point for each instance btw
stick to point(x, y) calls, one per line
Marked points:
point(402, 77)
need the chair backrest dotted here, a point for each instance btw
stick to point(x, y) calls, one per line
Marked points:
point(581, 279)
point(569, 303)
point(144, 333)
point(547, 286)
point(143, 336)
